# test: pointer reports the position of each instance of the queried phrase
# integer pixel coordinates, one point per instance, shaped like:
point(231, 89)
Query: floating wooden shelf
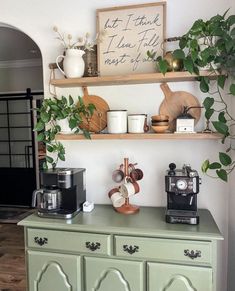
point(129, 79)
point(136, 136)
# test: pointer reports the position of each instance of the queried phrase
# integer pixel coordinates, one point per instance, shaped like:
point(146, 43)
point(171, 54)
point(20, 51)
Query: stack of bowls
point(160, 123)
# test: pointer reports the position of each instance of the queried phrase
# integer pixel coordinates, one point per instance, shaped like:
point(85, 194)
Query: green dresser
point(107, 251)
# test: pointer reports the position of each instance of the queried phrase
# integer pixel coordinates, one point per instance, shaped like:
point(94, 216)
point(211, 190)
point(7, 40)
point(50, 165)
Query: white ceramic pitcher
point(73, 63)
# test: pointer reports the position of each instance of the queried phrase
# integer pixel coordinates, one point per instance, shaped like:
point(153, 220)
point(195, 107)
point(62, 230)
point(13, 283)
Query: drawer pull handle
point(92, 246)
point(192, 254)
point(41, 241)
point(130, 249)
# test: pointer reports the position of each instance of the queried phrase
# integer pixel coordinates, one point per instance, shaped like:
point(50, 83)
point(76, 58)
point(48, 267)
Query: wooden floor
point(12, 260)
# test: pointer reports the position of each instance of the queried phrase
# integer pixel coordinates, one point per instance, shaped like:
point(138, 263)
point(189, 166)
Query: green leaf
point(204, 85)
point(61, 156)
point(196, 70)
point(49, 159)
point(197, 27)
point(86, 134)
point(51, 135)
point(55, 107)
point(151, 55)
point(225, 159)
point(221, 117)
point(80, 101)
point(63, 100)
point(50, 148)
point(182, 42)
point(225, 13)
point(45, 117)
point(232, 89)
point(221, 81)
point(232, 33)
point(39, 126)
point(208, 102)
point(40, 136)
point(231, 20)
point(220, 127)
point(205, 166)
point(70, 100)
point(72, 123)
point(179, 54)
point(194, 44)
point(209, 112)
point(214, 166)
point(188, 64)
point(44, 166)
point(91, 108)
point(194, 55)
point(222, 174)
point(229, 45)
point(163, 66)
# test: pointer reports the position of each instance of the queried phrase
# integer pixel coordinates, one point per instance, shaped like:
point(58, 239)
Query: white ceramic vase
point(73, 63)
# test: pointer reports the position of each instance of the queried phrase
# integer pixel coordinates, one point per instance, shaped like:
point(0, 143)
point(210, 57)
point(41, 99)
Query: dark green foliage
point(211, 44)
point(54, 109)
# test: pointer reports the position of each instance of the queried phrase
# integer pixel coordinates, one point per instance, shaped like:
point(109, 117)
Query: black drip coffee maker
point(182, 187)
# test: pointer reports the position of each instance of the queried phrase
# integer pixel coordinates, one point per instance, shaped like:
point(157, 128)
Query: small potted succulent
point(50, 113)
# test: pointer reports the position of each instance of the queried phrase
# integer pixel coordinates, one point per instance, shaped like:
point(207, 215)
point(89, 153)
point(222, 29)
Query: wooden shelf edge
point(129, 79)
point(142, 136)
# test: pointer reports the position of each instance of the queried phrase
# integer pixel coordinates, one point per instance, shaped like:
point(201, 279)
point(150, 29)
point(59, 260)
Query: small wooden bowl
point(160, 117)
point(160, 123)
point(160, 128)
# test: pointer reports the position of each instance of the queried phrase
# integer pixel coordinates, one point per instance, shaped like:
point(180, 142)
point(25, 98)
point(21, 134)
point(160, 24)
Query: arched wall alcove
point(21, 89)
point(20, 61)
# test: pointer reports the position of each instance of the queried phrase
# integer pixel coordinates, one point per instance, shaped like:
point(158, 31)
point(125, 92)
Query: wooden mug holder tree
point(127, 208)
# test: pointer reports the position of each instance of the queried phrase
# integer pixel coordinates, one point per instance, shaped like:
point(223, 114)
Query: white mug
point(136, 123)
point(117, 199)
point(128, 189)
point(117, 121)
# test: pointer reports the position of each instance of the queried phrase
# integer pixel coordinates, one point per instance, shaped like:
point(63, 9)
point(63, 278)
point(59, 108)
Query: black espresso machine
point(62, 193)
point(182, 187)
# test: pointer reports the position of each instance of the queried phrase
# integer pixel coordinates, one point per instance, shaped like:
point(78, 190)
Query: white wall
point(100, 158)
point(19, 79)
point(231, 224)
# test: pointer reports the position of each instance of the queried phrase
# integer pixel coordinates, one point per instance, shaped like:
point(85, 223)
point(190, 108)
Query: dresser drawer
point(164, 249)
point(69, 241)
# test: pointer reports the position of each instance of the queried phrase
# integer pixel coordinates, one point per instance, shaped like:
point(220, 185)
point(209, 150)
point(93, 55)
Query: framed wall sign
point(128, 33)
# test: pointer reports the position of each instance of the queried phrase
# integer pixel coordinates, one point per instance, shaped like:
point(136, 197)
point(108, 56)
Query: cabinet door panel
point(47, 272)
point(116, 275)
point(166, 277)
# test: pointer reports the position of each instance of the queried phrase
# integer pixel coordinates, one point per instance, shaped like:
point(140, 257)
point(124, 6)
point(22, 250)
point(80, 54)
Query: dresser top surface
point(149, 221)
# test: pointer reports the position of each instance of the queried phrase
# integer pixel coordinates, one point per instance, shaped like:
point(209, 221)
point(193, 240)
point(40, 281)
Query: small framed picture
point(128, 32)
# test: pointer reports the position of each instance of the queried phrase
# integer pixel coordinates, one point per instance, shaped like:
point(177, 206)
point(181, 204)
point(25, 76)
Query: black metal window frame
point(29, 149)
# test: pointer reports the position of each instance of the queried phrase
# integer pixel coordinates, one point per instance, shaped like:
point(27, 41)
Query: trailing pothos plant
point(211, 44)
point(52, 110)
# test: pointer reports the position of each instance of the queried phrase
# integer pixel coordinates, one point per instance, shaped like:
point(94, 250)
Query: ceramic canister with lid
point(136, 123)
point(117, 121)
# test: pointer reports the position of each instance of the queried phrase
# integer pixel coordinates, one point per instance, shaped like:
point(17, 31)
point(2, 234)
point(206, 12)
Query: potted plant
point(211, 44)
point(56, 109)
